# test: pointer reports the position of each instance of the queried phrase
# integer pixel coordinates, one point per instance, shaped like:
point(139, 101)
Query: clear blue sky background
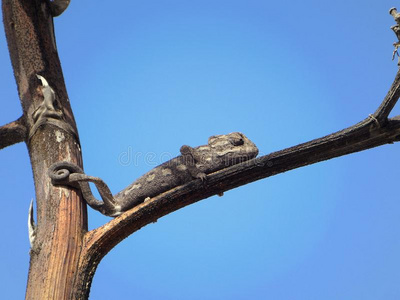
point(145, 77)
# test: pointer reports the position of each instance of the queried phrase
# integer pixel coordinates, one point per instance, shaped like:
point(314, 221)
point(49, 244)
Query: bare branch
point(389, 102)
point(373, 131)
point(12, 133)
point(364, 135)
point(361, 136)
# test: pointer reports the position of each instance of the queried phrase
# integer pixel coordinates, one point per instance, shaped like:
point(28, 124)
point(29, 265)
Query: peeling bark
point(61, 214)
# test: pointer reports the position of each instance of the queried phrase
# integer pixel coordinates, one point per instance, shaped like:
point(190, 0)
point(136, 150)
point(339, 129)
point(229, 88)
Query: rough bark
point(61, 216)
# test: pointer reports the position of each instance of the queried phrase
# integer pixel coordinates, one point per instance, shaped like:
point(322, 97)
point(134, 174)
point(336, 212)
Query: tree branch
point(359, 137)
point(374, 131)
point(389, 102)
point(12, 133)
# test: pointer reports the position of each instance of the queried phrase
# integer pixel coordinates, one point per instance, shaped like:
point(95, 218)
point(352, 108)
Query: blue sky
point(145, 77)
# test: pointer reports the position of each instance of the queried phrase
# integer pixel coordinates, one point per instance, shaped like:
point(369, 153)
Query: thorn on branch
point(31, 225)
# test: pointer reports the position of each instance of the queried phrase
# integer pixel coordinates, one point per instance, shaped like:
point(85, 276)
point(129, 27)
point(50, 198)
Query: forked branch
point(383, 111)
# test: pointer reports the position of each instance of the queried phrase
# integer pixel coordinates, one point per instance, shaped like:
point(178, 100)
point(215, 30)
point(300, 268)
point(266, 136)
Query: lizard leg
point(189, 159)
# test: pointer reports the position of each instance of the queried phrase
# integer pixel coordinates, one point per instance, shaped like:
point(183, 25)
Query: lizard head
point(232, 148)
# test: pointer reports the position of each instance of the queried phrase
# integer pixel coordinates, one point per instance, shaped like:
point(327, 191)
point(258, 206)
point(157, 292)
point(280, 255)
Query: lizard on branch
point(221, 151)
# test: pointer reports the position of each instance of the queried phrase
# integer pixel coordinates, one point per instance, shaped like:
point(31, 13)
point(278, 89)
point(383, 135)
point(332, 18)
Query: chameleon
point(47, 108)
point(194, 163)
point(48, 111)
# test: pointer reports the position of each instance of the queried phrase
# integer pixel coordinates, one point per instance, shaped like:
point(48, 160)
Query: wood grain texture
point(61, 214)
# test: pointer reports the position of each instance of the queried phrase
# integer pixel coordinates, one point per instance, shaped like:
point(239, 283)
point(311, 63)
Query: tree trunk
point(61, 213)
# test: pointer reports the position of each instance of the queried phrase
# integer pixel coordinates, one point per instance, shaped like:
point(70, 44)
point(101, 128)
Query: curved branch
point(389, 102)
point(374, 131)
point(359, 137)
point(366, 134)
point(362, 136)
point(12, 133)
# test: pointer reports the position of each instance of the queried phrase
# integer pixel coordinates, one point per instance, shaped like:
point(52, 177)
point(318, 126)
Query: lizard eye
point(237, 142)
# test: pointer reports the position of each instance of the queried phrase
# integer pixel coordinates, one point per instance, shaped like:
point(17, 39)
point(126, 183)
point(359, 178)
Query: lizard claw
point(202, 176)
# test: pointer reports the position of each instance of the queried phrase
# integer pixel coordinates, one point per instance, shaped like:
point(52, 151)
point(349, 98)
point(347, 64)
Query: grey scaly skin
point(48, 112)
point(221, 151)
point(46, 109)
